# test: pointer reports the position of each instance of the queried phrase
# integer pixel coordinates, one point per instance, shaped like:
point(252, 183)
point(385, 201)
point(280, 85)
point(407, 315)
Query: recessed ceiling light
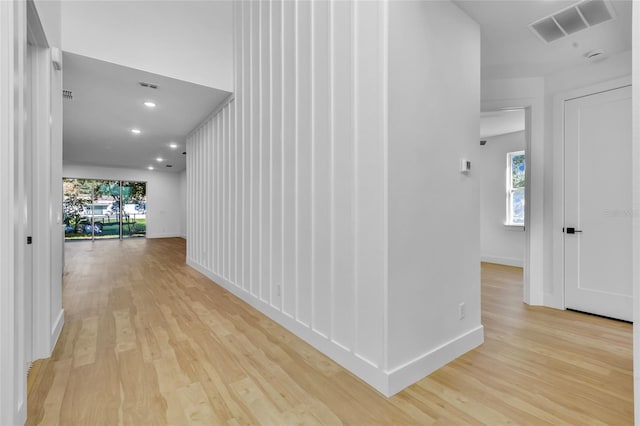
point(135, 131)
point(150, 104)
point(150, 167)
point(159, 159)
point(173, 145)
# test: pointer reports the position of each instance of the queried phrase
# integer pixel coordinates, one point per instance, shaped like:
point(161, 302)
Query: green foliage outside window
point(517, 171)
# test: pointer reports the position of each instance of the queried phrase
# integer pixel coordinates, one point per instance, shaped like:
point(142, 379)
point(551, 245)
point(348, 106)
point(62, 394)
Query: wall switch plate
point(465, 165)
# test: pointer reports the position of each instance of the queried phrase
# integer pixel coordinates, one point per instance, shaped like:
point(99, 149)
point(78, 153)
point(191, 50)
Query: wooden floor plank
point(154, 342)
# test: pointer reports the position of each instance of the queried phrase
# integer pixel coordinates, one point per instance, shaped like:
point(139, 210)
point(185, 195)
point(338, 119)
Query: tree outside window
point(516, 168)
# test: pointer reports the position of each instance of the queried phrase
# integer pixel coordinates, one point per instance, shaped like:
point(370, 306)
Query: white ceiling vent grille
point(578, 17)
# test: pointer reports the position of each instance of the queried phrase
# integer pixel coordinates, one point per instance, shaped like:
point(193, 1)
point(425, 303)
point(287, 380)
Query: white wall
point(618, 65)
point(498, 243)
point(186, 40)
point(434, 239)
point(287, 184)
point(163, 194)
point(50, 13)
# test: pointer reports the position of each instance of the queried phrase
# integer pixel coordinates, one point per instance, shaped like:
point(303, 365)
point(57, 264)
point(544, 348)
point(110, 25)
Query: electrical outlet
point(462, 311)
point(278, 290)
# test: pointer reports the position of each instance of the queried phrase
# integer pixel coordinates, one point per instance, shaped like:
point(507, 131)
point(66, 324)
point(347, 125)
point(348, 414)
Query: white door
point(597, 204)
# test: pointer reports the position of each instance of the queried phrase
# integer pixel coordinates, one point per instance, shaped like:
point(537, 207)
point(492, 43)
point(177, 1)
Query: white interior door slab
point(597, 204)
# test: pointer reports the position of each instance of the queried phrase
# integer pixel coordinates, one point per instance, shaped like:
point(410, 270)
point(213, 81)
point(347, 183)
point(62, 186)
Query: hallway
point(148, 340)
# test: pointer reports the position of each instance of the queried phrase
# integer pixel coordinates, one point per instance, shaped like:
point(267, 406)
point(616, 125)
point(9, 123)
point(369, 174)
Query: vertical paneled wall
point(286, 183)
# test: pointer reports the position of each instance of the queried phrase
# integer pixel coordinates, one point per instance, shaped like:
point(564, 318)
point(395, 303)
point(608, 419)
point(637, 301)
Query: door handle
point(571, 230)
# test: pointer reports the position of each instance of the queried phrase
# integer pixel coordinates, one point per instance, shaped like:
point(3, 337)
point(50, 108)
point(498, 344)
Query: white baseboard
point(164, 236)
point(555, 301)
point(426, 364)
point(509, 261)
point(387, 383)
point(22, 413)
point(56, 330)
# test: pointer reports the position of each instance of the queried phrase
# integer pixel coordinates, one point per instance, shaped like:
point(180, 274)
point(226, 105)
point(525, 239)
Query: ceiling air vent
point(67, 94)
point(149, 85)
point(578, 17)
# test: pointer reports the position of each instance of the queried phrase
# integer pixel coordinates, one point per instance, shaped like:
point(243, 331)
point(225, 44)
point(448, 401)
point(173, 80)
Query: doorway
point(97, 209)
point(502, 181)
point(597, 205)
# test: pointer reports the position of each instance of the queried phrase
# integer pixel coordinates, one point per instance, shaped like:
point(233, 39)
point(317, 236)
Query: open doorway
point(503, 187)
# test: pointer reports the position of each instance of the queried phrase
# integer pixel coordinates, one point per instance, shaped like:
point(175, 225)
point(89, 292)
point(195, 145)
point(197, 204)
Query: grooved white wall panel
point(287, 201)
point(284, 190)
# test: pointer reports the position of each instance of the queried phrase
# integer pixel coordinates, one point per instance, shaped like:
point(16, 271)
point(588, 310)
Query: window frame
point(510, 191)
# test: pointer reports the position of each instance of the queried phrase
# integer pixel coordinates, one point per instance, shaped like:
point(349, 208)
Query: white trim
point(508, 261)
point(555, 298)
point(56, 330)
point(169, 235)
point(42, 201)
point(384, 65)
point(409, 373)
point(356, 147)
point(635, 229)
point(332, 170)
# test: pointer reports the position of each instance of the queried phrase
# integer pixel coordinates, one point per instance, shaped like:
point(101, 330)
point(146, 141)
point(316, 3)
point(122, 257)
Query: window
point(103, 209)
point(516, 167)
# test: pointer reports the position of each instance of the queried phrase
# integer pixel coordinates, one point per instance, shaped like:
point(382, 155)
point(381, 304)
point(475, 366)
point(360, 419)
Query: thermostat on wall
point(465, 165)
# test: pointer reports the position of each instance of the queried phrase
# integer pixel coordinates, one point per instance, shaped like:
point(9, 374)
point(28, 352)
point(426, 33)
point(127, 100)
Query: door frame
point(533, 283)
point(40, 131)
point(558, 300)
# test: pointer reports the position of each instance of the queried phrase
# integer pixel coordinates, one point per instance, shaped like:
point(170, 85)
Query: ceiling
point(510, 49)
point(496, 123)
point(108, 102)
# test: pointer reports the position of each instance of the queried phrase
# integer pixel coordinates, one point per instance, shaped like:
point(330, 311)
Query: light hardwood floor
point(148, 340)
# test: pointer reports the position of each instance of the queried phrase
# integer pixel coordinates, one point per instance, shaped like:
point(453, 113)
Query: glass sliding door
point(104, 209)
point(134, 209)
point(106, 220)
point(78, 196)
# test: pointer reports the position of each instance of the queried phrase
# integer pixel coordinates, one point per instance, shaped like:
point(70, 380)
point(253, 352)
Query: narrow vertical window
point(516, 167)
